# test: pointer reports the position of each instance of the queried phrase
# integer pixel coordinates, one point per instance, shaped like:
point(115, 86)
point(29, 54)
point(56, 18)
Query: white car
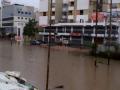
point(13, 81)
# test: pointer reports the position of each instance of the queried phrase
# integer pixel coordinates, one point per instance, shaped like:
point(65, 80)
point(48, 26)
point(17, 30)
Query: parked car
point(42, 42)
point(35, 42)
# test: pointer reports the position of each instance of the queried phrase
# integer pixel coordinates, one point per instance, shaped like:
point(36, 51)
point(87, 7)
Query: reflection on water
point(71, 69)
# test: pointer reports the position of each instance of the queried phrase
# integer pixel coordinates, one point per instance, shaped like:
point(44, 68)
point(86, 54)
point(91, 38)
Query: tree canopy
point(29, 29)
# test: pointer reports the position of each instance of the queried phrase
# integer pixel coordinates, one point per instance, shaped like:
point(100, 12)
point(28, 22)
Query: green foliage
point(29, 29)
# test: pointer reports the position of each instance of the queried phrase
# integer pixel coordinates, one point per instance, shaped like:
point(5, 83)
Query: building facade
point(81, 33)
point(78, 21)
point(45, 12)
point(14, 18)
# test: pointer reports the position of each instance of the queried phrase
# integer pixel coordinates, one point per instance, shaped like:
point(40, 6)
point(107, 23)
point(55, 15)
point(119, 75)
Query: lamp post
point(49, 47)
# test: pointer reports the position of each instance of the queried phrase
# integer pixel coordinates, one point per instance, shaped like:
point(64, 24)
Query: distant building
point(78, 34)
point(14, 18)
point(75, 20)
point(75, 11)
point(56, 13)
point(68, 11)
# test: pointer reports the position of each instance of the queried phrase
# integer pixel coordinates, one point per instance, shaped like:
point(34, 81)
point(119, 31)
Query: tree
point(30, 30)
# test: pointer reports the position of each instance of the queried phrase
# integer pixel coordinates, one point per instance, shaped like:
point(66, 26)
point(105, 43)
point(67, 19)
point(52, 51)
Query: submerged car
point(13, 81)
point(35, 42)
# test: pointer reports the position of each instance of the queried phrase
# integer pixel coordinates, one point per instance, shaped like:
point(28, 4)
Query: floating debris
point(13, 81)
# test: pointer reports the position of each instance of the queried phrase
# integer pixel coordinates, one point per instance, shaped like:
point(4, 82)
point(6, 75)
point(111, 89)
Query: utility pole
point(1, 16)
point(49, 47)
point(96, 24)
point(1, 11)
point(110, 29)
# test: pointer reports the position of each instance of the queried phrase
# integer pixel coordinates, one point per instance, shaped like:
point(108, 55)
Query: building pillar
point(56, 33)
point(82, 36)
point(94, 35)
point(43, 35)
point(65, 29)
point(119, 35)
point(105, 35)
point(93, 40)
point(71, 32)
point(72, 29)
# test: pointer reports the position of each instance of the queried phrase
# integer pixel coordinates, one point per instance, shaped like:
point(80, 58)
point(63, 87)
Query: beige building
point(73, 11)
point(45, 11)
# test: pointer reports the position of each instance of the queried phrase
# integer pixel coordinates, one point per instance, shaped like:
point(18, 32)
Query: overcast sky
point(34, 3)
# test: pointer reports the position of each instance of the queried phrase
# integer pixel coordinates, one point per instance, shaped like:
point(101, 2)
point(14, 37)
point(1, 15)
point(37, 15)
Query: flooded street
point(71, 69)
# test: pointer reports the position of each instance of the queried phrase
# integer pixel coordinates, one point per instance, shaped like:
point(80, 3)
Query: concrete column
point(93, 41)
point(65, 29)
point(94, 35)
point(105, 35)
point(71, 32)
point(43, 35)
point(82, 36)
point(56, 31)
point(71, 29)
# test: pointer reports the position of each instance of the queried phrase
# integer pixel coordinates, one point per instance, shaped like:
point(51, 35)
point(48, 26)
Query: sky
point(34, 3)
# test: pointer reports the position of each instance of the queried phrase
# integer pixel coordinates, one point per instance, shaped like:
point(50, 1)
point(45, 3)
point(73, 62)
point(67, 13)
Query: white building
point(14, 18)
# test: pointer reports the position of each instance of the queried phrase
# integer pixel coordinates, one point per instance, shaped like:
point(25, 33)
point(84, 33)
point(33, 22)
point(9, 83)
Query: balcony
point(52, 17)
point(71, 8)
point(70, 16)
point(53, 1)
point(71, 0)
point(65, 9)
point(53, 9)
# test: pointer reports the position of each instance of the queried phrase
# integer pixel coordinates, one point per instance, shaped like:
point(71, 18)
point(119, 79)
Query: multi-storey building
point(78, 23)
point(14, 18)
point(45, 11)
point(72, 11)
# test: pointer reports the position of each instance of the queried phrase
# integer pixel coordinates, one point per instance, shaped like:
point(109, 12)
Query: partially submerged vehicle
point(13, 81)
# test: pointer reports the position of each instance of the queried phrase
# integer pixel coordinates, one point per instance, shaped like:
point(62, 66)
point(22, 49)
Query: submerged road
point(71, 69)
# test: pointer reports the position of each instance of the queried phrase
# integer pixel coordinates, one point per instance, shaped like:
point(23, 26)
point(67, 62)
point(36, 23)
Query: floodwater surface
point(70, 69)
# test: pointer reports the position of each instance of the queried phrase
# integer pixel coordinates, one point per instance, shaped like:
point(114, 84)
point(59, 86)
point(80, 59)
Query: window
point(44, 13)
point(18, 11)
point(25, 18)
point(53, 13)
point(65, 5)
point(26, 12)
point(18, 17)
point(72, 3)
point(71, 20)
point(52, 21)
point(7, 19)
point(29, 13)
point(21, 17)
point(114, 5)
point(70, 12)
point(81, 12)
point(81, 20)
point(53, 5)
point(64, 13)
point(22, 12)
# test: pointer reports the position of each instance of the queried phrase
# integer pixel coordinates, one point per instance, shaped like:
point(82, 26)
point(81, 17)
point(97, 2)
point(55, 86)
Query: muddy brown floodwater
point(71, 69)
